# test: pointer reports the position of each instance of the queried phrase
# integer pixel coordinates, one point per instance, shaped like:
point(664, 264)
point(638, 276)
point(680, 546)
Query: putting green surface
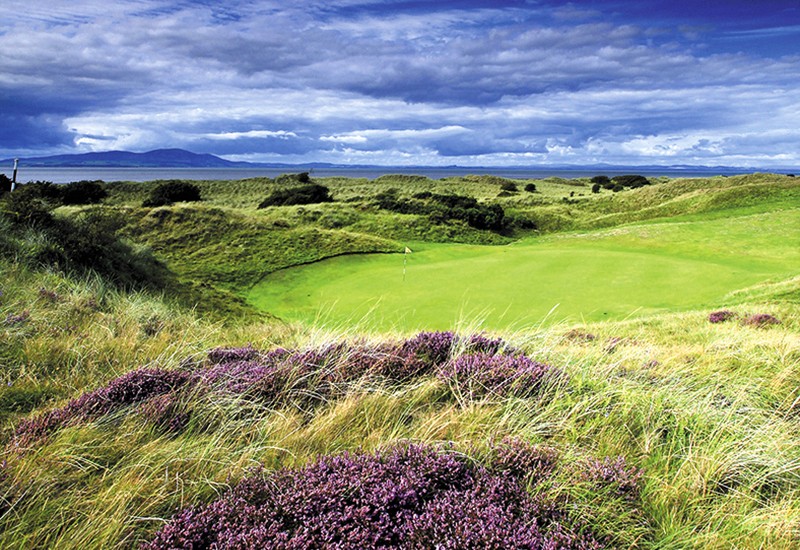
point(612, 274)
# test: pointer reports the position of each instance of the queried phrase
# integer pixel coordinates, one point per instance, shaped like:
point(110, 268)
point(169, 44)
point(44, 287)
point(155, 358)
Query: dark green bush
point(90, 242)
point(171, 192)
point(633, 181)
point(530, 188)
point(304, 194)
point(509, 186)
point(601, 180)
point(596, 188)
point(31, 204)
point(5, 184)
point(441, 208)
point(83, 192)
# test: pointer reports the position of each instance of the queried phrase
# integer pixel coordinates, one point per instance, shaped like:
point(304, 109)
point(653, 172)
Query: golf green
point(611, 274)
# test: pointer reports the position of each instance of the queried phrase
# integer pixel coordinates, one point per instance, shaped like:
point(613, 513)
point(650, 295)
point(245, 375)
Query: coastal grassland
point(231, 246)
point(707, 411)
point(97, 454)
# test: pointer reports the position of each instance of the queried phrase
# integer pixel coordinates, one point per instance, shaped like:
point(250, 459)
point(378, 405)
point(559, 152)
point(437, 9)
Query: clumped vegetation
point(87, 242)
point(83, 192)
point(632, 181)
point(441, 208)
point(5, 184)
point(721, 316)
point(408, 496)
point(761, 320)
point(311, 193)
point(170, 192)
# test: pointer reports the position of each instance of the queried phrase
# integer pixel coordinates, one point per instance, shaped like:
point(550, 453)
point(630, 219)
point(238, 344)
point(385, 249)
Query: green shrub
point(632, 181)
point(90, 242)
point(31, 204)
point(509, 186)
point(601, 180)
point(83, 192)
point(304, 194)
point(441, 208)
point(171, 192)
point(5, 184)
point(530, 188)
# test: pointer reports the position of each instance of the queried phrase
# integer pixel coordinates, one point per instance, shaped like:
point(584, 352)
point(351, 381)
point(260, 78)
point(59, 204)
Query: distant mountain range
point(180, 158)
point(159, 158)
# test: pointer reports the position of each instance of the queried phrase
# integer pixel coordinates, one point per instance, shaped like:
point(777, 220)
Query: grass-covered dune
point(130, 419)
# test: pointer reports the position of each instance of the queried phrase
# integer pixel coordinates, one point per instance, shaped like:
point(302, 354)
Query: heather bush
point(303, 378)
point(49, 295)
point(409, 496)
point(13, 319)
point(721, 316)
point(480, 375)
point(166, 412)
point(219, 356)
point(520, 459)
point(614, 473)
point(760, 320)
point(578, 335)
point(131, 388)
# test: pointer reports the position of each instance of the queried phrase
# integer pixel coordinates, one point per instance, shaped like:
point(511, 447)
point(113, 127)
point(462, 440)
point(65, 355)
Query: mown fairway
point(611, 274)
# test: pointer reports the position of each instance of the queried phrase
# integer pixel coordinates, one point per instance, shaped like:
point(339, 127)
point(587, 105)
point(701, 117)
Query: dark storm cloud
point(422, 82)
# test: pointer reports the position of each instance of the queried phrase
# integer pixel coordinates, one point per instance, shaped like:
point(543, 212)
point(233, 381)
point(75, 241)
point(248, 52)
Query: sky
point(448, 82)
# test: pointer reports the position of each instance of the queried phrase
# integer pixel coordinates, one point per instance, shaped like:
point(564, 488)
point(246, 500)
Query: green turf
point(612, 274)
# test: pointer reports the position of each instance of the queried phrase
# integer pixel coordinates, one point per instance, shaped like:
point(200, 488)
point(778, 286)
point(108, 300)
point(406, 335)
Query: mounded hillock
point(235, 250)
point(753, 193)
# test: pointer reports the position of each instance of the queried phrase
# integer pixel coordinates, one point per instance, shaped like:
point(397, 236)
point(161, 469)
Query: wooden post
point(14, 175)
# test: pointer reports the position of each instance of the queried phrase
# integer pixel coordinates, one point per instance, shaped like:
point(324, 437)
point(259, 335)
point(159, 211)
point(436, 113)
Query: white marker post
point(14, 175)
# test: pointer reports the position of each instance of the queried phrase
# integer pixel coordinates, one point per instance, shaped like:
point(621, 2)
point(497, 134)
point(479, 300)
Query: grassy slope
point(709, 411)
point(234, 250)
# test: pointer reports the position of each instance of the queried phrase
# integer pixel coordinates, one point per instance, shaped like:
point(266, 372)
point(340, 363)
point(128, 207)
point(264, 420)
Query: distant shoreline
point(108, 174)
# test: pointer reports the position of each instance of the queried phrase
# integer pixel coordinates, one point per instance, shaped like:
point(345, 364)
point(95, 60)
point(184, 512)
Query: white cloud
point(307, 81)
point(249, 134)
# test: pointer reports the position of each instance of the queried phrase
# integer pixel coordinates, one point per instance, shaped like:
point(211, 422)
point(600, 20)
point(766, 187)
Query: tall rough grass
point(708, 412)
